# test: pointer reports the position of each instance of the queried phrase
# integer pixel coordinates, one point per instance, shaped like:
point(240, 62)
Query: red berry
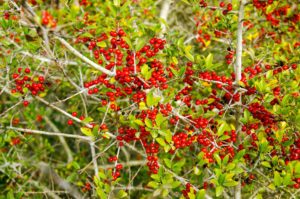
point(15, 141)
point(25, 103)
point(119, 166)
point(70, 122)
point(27, 70)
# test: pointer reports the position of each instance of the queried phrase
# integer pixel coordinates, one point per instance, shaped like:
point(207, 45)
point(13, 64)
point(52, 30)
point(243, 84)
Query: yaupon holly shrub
point(149, 99)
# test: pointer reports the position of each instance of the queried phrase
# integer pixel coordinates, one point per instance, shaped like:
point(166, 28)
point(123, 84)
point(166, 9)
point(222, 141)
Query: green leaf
point(142, 106)
point(175, 72)
point(197, 171)
point(165, 192)
point(10, 195)
point(266, 164)
point(148, 123)
point(186, 1)
point(222, 128)
point(139, 122)
point(153, 184)
point(101, 44)
point(218, 159)
point(200, 194)
point(247, 115)
point(188, 54)
point(128, 41)
point(269, 74)
point(219, 191)
point(191, 195)
point(101, 193)
point(168, 135)
point(224, 137)
point(117, 3)
point(159, 119)
point(76, 165)
point(175, 60)
point(155, 177)
point(87, 120)
point(181, 71)
point(146, 73)
point(102, 175)
point(230, 166)
point(240, 154)
point(230, 183)
point(87, 34)
point(86, 131)
point(168, 163)
point(161, 141)
point(122, 194)
point(279, 135)
point(225, 159)
point(287, 180)
point(209, 60)
point(277, 179)
point(140, 44)
point(175, 184)
point(151, 100)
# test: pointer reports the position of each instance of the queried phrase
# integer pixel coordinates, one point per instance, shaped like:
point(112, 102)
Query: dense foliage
point(149, 99)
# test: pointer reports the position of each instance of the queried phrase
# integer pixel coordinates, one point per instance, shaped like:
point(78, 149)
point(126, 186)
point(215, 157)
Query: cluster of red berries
point(87, 187)
point(295, 151)
point(202, 38)
point(200, 122)
point(277, 15)
point(213, 76)
point(117, 173)
point(202, 3)
point(208, 155)
point(187, 190)
point(261, 4)
point(6, 15)
point(284, 68)
point(112, 158)
point(182, 140)
point(15, 141)
point(48, 20)
point(153, 164)
point(201, 102)
point(228, 7)
point(205, 138)
point(229, 56)
point(232, 135)
point(84, 2)
point(259, 112)
point(165, 109)
point(186, 95)
point(151, 114)
point(126, 66)
point(276, 91)
point(227, 150)
point(297, 183)
point(74, 114)
point(33, 84)
point(151, 150)
point(127, 134)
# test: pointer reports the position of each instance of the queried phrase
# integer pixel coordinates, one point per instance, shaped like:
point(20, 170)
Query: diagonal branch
point(83, 58)
point(85, 138)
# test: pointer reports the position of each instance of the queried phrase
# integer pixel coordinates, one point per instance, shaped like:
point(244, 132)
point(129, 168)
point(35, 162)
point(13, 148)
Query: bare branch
point(83, 58)
point(47, 133)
